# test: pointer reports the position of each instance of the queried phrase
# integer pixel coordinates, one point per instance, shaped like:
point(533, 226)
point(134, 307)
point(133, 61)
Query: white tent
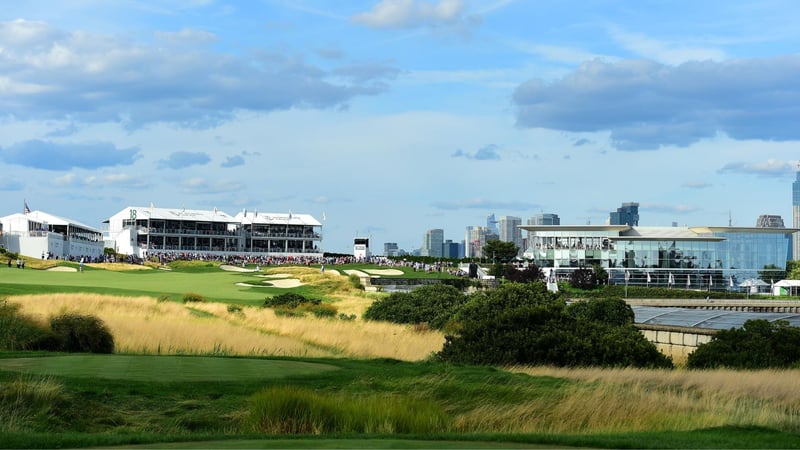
point(754, 285)
point(786, 287)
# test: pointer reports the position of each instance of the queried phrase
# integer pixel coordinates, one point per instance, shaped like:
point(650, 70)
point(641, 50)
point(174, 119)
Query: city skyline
point(387, 118)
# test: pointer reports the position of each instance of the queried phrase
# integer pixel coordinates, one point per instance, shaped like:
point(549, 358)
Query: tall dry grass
point(144, 325)
point(624, 400)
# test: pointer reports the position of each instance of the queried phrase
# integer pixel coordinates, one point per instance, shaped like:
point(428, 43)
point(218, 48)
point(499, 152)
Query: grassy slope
point(162, 406)
point(165, 407)
point(211, 282)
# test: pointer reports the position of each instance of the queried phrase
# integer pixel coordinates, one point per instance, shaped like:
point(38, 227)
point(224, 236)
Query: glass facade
point(705, 258)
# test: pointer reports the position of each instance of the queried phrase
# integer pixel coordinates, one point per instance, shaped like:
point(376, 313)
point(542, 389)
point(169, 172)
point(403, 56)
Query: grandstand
point(144, 231)
point(38, 234)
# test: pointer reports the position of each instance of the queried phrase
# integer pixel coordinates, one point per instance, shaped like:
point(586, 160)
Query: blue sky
point(394, 117)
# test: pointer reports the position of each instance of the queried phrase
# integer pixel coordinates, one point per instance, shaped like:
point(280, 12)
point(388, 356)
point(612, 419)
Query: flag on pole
point(25, 208)
point(323, 216)
point(730, 281)
point(627, 276)
point(671, 280)
point(710, 281)
point(688, 280)
point(648, 278)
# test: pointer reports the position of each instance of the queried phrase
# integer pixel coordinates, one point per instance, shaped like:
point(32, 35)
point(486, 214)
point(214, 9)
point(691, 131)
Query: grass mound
point(294, 410)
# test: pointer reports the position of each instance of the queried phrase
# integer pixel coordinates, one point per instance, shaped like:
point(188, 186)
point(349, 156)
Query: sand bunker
point(275, 275)
point(283, 284)
point(385, 272)
point(231, 268)
point(356, 272)
point(62, 269)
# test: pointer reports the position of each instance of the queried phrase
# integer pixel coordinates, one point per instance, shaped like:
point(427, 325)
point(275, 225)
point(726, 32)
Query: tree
point(600, 274)
point(583, 279)
point(526, 324)
point(771, 272)
point(528, 274)
point(433, 304)
point(759, 344)
point(500, 251)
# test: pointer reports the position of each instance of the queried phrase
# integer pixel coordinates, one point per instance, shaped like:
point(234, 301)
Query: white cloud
point(667, 53)
point(647, 105)
point(768, 168)
point(414, 14)
point(48, 73)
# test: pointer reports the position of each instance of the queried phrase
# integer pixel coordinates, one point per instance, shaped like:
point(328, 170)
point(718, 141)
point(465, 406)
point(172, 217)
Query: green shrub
point(79, 333)
point(348, 317)
point(234, 309)
point(759, 344)
point(323, 310)
point(432, 304)
point(583, 279)
point(525, 324)
point(289, 312)
point(355, 281)
point(288, 300)
point(20, 332)
point(294, 410)
point(191, 297)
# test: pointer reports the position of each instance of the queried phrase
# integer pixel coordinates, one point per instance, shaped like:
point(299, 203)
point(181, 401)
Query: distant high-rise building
point(491, 223)
point(510, 231)
point(795, 253)
point(545, 219)
point(476, 238)
point(432, 243)
point(627, 214)
point(391, 249)
point(769, 221)
point(451, 250)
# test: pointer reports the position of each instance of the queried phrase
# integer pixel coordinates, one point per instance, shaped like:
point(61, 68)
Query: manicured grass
point(214, 284)
point(160, 368)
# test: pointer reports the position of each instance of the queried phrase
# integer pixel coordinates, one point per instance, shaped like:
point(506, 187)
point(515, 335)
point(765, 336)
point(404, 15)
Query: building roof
point(198, 215)
point(289, 218)
point(627, 232)
point(705, 318)
point(51, 219)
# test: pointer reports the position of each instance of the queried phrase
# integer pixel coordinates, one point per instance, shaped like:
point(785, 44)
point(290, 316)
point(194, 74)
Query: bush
point(191, 297)
point(432, 304)
point(355, 281)
point(323, 310)
point(605, 310)
point(759, 344)
point(289, 300)
point(20, 332)
point(84, 334)
point(529, 274)
point(234, 309)
point(526, 324)
point(291, 304)
point(583, 279)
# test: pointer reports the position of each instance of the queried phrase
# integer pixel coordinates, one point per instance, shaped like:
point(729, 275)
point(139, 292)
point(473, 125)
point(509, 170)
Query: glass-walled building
point(694, 257)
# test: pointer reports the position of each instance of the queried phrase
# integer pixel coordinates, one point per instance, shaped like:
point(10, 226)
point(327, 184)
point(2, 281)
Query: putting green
point(161, 368)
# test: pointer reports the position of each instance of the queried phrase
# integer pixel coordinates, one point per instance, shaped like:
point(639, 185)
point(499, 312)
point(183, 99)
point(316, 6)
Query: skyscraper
point(627, 214)
point(795, 253)
point(545, 219)
point(432, 243)
point(510, 231)
point(491, 223)
point(769, 221)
